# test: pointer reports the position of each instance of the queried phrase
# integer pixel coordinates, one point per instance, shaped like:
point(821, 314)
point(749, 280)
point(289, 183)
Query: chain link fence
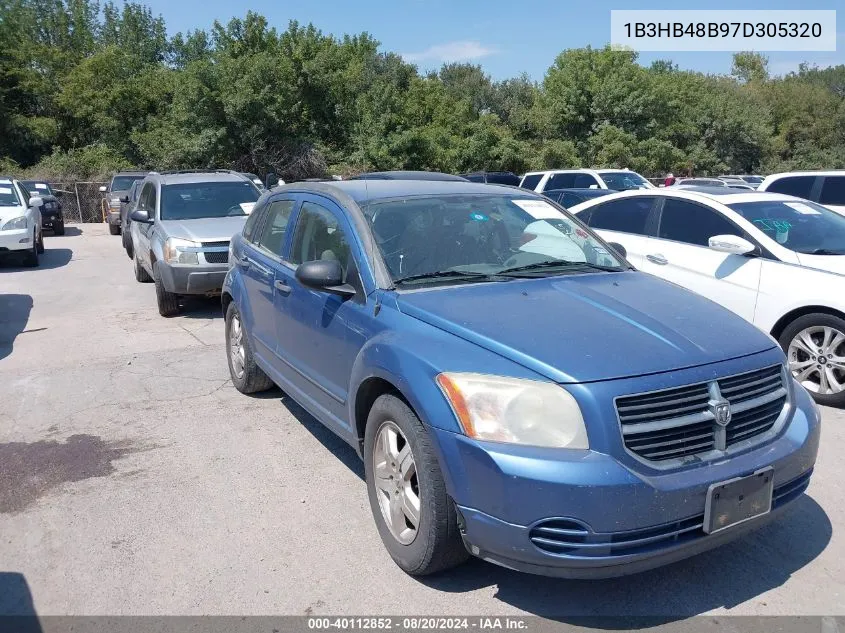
point(81, 201)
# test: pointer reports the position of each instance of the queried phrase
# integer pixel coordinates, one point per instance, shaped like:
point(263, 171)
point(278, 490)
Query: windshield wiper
point(559, 263)
point(823, 251)
point(449, 274)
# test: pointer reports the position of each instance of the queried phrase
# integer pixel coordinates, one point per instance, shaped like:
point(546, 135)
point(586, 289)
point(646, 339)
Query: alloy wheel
point(816, 357)
point(395, 478)
point(236, 346)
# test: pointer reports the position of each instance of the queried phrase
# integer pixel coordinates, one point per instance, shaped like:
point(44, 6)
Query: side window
point(570, 200)
point(691, 223)
point(800, 186)
point(561, 181)
point(273, 230)
point(253, 221)
point(318, 235)
point(531, 181)
point(151, 200)
point(144, 202)
point(585, 181)
point(629, 215)
point(833, 190)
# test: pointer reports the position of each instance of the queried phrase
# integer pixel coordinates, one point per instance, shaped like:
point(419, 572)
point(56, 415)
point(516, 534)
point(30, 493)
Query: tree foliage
point(85, 86)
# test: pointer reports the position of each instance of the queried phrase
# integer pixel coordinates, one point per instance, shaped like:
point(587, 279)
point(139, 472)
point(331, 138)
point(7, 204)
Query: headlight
point(15, 223)
point(514, 410)
point(178, 251)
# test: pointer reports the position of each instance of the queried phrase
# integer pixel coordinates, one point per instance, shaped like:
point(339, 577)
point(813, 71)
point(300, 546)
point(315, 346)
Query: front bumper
point(602, 518)
point(51, 218)
point(16, 240)
point(204, 279)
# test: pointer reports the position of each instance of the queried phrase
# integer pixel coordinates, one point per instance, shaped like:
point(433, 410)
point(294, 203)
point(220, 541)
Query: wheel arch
point(370, 390)
point(790, 316)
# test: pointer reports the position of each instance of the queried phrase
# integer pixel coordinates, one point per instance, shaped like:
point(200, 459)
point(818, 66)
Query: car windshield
point(799, 225)
point(753, 179)
point(455, 238)
point(8, 195)
point(190, 201)
point(36, 188)
point(624, 180)
point(123, 183)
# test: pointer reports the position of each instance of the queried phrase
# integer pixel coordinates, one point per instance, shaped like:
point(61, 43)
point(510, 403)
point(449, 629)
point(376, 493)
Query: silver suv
point(181, 228)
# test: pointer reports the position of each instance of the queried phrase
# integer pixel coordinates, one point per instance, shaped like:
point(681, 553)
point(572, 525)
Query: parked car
point(775, 260)
point(127, 204)
point(511, 402)
point(21, 232)
point(750, 179)
point(181, 229)
point(824, 187)
point(616, 179)
point(407, 175)
point(570, 197)
point(699, 182)
point(52, 217)
point(118, 188)
point(493, 177)
point(255, 179)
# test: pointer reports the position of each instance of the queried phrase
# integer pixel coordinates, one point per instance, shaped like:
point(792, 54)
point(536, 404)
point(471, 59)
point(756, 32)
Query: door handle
point(244, 262)
point(281, 286)
point(657, 259)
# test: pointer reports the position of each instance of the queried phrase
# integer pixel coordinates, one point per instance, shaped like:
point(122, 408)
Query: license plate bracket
point(738, 500)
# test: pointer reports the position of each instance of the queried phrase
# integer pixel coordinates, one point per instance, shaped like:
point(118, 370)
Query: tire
point(127, 243)
point(31, 257)
point(168, 303)
point(114, 229)
point(821, 374)
point(40, 242)
point(141, 274)
point(436, 544)
point(250, 379)
point(59, 228)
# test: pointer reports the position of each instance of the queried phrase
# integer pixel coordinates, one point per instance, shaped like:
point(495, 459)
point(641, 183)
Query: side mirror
point(140, 216)
point(102, 189)
point(125, 199)
point(325, 276)
point(271, 180)
point(731, 244)
point(618, 248)
point(36, 201)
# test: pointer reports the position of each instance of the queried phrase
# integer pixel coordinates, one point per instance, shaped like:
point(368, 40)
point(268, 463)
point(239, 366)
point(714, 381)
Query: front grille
point(566, 537)
point(215, 244)
point(217, 257)
point(681, 422)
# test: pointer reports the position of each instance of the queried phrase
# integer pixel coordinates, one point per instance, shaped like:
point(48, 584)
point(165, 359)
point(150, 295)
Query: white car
point(20, 222)
point(616, 179)
point(824, 187)
point(776, 260)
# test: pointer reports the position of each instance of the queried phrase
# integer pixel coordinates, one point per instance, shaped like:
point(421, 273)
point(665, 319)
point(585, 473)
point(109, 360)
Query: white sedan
point(776, 260)
point(20, 222)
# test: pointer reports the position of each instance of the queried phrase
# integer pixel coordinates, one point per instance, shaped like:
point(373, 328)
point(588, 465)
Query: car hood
point(589, 327)
point(205, 229)
point(9, 213)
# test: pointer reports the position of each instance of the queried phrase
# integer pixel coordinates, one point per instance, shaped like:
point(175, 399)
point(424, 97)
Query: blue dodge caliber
point(516, 389)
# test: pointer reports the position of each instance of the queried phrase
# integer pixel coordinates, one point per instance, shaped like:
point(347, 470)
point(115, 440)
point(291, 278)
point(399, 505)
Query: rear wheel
point(141, 274)
point(246, 375)
point(815, 351)
point(114, 229)
point(168, 302)
point(415, 517)
point(127, 242)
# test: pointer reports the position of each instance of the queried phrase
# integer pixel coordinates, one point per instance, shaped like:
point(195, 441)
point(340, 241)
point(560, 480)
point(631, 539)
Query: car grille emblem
point(722, 412)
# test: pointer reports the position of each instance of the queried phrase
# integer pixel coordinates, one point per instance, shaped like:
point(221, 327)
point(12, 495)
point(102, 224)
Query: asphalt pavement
point(134, 479)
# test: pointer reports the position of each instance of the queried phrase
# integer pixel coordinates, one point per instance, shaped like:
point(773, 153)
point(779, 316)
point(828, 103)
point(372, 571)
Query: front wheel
point(114, 229)
point(246, 375)
point(815, 351)
point(168, 302)
point(141, 274)
point(415, 517)
point(59, 227)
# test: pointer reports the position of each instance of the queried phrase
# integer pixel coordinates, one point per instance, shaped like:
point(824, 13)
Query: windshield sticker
point(780, 226)
point(803, 208)
point(478, 217)
point(539, 209)
point(5, 189)
point(40, 186)
point(247, 207)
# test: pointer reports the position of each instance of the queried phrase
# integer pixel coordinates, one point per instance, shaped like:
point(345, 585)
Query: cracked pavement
point(134, 479)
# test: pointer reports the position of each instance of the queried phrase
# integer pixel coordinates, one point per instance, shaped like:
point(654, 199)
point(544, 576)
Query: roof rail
point(199, 171)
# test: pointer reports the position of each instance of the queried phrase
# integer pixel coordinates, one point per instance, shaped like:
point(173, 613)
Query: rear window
point(124, 183)
point(799, 186)
point(624, 180)
point(833, 190)
point(531, 181)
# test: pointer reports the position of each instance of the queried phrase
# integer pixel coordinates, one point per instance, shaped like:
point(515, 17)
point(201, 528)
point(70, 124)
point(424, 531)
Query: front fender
point(233, 284)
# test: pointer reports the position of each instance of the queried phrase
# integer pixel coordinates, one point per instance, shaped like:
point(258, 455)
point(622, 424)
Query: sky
point(506, 38)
